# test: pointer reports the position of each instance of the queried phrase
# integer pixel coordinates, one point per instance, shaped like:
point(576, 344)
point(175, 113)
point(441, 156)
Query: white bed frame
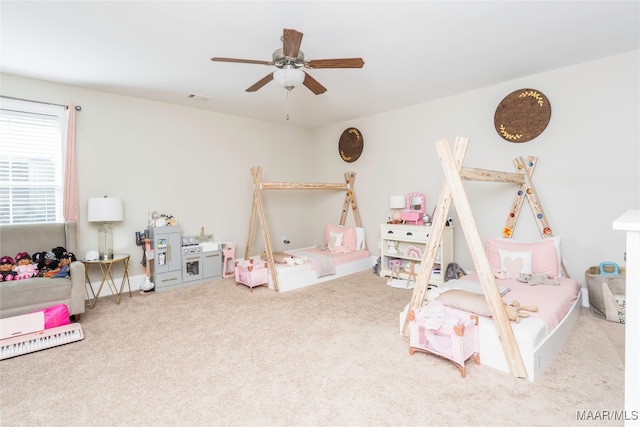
point(536, 357)
point(300, 276)
point(536, 347)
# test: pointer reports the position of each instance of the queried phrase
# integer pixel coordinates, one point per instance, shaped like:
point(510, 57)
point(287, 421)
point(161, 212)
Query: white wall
point(196, 164)
point(186, 162)
point(586, 175)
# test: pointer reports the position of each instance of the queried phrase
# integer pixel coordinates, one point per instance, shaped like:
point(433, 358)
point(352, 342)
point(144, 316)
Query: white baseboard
point(585, 297)
point(138, 280)
point(135, 281)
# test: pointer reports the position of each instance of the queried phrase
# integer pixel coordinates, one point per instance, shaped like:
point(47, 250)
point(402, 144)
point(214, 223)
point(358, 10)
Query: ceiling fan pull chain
point(288, 92)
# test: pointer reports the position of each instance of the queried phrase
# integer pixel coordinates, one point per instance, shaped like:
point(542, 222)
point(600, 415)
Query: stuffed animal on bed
point(515, 311)
point(283, 258)
point(454, 271)
point(433, 292)
point(536, 279)
point(499, 274)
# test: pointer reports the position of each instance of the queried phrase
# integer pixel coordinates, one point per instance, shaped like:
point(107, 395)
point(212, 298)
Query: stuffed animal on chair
point(63, 267)
point(25, 268)
point(7, 272)
point(536, 279)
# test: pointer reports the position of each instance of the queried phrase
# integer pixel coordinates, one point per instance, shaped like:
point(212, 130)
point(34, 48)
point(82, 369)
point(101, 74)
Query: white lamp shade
point(105, 209)
point(396, 202)
point(288, 77)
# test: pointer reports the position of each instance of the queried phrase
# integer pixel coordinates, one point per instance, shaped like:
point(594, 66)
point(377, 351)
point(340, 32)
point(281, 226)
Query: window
point(32, 138)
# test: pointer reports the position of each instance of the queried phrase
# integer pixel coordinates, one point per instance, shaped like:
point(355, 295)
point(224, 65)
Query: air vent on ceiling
point(199, 97)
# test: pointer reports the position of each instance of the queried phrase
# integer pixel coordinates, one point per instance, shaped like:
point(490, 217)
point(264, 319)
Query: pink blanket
point(553, 301)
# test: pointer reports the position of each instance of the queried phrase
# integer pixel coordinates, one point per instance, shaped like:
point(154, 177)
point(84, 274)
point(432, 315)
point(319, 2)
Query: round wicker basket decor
point(350, 145)
point(522, 115)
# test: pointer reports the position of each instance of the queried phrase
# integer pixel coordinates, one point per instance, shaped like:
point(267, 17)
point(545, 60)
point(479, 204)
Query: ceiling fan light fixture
point(288, 78)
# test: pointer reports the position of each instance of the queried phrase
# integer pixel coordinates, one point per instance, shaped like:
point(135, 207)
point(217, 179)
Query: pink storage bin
point(455, 343)
point(56, 315)
point(252, 274)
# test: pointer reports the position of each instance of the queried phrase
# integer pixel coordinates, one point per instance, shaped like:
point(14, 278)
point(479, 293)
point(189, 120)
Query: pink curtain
point(71, 198)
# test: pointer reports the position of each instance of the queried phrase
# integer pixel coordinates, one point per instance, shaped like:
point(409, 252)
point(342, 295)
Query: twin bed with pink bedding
point(319, 266)
point(344, 251)
point(542, 335)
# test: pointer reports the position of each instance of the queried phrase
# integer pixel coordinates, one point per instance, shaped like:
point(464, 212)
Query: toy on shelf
point(414, 210)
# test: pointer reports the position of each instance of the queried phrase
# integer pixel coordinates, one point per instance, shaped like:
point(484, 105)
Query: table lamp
point(105, 210)
point(396, 203)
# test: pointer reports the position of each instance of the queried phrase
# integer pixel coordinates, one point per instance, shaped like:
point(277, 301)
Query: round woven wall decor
point(350, 145)
point(522, 115)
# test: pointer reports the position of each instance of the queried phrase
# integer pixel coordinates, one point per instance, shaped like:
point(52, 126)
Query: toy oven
point(191, 260)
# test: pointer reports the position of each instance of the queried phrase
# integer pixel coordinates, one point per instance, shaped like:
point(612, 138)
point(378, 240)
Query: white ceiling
point(413, 51)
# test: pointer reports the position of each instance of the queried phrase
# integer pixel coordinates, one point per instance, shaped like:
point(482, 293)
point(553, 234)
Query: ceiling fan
point(289, 60)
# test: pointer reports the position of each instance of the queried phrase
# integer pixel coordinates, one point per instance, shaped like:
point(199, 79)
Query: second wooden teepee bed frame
point(257, 210)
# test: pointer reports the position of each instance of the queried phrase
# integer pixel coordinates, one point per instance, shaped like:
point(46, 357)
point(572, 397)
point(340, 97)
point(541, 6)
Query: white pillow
point(359, 238)
point(335, 239)
point(556, 242)
point(514, 263)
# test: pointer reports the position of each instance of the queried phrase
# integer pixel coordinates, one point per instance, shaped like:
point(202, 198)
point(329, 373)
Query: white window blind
point(32, 138)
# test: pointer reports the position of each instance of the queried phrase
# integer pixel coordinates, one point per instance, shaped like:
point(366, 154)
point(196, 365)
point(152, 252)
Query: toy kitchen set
point(182, 260)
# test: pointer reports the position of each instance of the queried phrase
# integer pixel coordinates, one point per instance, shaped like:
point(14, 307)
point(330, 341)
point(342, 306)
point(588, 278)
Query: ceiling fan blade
point(337, 63)
point(291, 40)
point(242, 61)
point(263, 81)
point(313, 85)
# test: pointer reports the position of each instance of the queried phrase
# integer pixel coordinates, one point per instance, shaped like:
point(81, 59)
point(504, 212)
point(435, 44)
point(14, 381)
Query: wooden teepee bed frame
point(257, 209)
point(451, 190)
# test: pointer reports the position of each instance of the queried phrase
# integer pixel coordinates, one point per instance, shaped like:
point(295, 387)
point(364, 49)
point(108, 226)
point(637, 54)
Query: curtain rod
point(77, 107)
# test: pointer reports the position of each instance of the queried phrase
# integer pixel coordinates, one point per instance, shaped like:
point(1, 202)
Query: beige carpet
point(331, 354)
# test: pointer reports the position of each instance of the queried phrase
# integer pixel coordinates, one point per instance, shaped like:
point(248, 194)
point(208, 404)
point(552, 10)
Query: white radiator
point(41, 340)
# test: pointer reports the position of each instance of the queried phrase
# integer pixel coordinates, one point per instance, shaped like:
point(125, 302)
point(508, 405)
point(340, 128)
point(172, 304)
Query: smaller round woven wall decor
point(350, 145)
point(522, 115)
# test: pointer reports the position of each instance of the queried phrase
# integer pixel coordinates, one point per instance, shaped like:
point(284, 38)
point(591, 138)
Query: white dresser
point(403, 244)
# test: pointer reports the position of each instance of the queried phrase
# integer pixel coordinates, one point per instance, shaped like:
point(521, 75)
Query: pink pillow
point(348, 235)
point(544, 259)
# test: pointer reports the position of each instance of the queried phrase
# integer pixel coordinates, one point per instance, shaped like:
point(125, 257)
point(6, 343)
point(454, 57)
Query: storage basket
point(606, 284)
